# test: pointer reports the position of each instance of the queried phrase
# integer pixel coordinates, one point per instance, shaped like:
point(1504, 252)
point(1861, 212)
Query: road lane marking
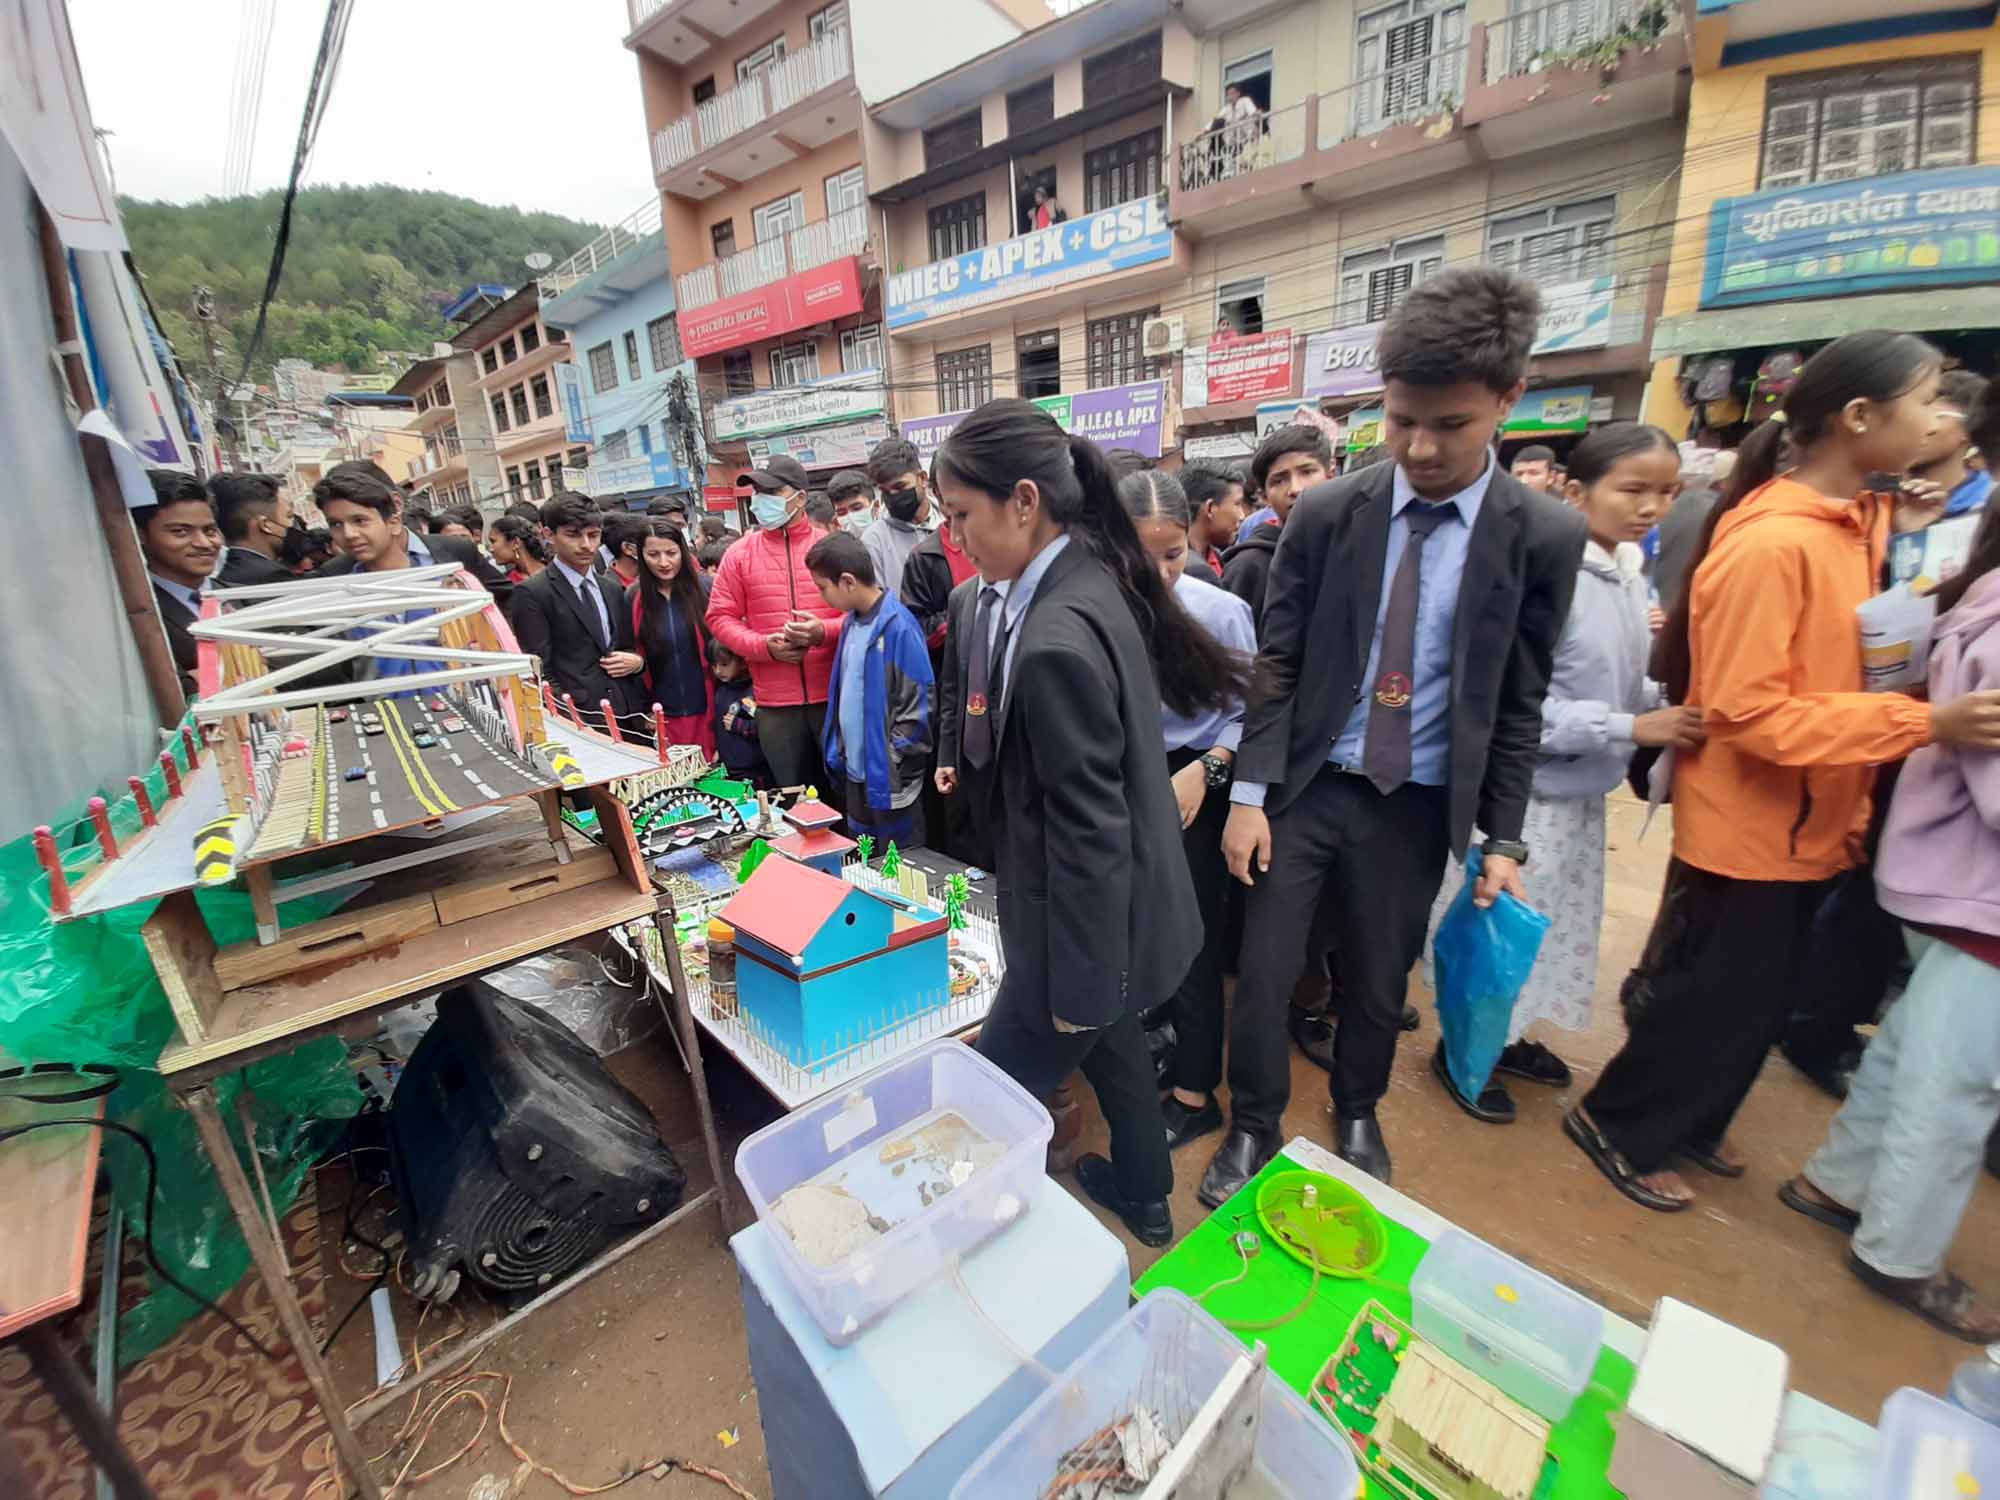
point(410, 776)
point(423, 766)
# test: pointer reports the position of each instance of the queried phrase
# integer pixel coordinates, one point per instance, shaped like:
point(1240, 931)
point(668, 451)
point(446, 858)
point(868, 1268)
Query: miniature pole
point(45, 851)
point(173, 774)
point(660, 731)
point(145, 802)
point(100, 817)
point(569, 702)
point(610, 720)
point(193, 744)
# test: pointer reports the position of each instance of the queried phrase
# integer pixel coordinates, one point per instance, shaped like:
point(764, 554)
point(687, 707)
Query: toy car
point(336, 716)
point(295, 747)
point(453, 724)
point(440, 704)
point(424, 741)
point(354, 773)
point(372, 726)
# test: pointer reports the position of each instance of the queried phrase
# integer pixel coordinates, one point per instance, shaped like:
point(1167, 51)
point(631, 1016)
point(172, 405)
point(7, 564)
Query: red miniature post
point(140, 796)
point(100, 817)
point(193, 743)
point(611, 720)
point(173, 773)
point(45, 851)
point(660, 731)
point(569, 702)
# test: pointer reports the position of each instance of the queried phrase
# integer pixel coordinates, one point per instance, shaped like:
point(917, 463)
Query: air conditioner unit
point(1163, 335)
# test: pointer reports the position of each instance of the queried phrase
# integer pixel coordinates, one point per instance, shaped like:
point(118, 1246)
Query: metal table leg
point(681, 1016)
point(264, 1254)
point(106, 1350)
point(63, 1379)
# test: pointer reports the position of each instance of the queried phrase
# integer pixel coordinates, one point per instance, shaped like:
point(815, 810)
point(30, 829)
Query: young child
point(878, 709)
point(1622, 478)
point(736, 717)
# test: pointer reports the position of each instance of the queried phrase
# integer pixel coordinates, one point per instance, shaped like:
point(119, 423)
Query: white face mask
point(855, 522)
point(770, 511)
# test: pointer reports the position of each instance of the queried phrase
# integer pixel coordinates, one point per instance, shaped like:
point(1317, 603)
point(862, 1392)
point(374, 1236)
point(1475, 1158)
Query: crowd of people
point(1219, 722)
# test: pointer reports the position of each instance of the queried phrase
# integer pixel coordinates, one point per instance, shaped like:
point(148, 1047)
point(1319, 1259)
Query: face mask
point(903, 504)
point(856, 522)
point(770, 511)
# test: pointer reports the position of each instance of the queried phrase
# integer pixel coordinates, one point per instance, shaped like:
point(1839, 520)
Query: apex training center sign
point(1099, 244)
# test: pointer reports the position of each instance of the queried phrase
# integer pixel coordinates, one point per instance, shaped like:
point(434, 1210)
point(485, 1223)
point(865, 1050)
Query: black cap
point(779, 470)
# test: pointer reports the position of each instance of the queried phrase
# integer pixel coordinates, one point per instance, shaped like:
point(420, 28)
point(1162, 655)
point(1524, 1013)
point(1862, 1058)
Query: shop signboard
point(1238, 369)
point(1342, 363)
point(1275, 414)
point(845, 446)
point(1364, 430)
point(1575, 315)
point(724, 500)
point(1227, 446)
point(1116, 416)
point(1099, 244)
point(576, 415)
point(1904, 229)
point(816, 296)
point(838, 398)
point(644, 471)
point(1563, 409)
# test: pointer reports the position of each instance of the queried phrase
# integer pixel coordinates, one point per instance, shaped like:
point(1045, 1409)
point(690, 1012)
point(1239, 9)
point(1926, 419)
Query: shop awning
point(1811, 321)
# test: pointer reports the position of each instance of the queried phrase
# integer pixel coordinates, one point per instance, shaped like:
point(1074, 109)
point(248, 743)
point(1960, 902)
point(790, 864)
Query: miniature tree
point(865, 847)
point(752, 857)
point(955, 891)
point(892, 862)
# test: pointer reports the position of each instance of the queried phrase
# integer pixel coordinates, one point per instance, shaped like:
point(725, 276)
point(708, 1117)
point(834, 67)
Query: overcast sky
point(528, 102)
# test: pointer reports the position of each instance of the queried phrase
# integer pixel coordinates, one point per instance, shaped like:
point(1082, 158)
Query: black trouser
point(1198, 1002)
point(1702, 1008)
point(1114, 1062)
point(790, 737)
point(1375, 863)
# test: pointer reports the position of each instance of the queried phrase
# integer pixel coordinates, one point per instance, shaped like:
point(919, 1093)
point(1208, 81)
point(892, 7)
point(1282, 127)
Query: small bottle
point(722, 966)
point(1976, 1386)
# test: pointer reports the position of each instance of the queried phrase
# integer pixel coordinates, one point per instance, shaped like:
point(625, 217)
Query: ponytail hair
point(1873, 365)
point(1009, 440)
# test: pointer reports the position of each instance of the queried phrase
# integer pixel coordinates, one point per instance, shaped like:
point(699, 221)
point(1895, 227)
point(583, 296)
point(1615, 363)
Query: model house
point(1457, 1434)
point(821, 964)
point(813, 840)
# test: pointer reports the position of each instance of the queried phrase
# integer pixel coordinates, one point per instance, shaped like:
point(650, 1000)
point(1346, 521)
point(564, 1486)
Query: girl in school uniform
point(1075, 645)
point(668, 606)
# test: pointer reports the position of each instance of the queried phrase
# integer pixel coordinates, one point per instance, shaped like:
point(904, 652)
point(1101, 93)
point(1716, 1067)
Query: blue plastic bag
point(1483, 957)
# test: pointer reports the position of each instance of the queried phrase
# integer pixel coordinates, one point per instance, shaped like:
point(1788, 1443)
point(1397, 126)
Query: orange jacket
point(1780, 791)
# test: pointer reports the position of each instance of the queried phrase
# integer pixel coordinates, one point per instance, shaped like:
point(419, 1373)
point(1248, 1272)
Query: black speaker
point(516, 1155)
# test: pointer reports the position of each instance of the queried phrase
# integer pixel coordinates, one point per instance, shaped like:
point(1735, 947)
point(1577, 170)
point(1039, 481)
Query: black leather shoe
point(1358, 1142)
point(1534, 1062)
point(1186, 1123)
point(1495, 1106)
point(1411, 1020)
point(1240, 1157)
point(1150, 1223)
point(1314, 1034)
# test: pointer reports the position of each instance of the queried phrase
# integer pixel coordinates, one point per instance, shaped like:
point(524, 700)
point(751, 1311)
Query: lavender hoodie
point(1940, 859)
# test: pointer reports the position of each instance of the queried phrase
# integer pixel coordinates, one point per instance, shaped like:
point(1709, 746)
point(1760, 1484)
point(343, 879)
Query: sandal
point(1943, 1301)
point(1534, 1062)
point(1612, 1163)
point(1708, 1159)
point(1846, 1220)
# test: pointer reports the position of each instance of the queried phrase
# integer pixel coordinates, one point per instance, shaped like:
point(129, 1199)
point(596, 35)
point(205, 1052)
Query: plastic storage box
point(1536, 1340)
point(1930, 1447)
point(843, 1137)
point(1170, 1355)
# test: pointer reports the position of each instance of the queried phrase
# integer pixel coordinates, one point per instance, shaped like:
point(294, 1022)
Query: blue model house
point(822, 964)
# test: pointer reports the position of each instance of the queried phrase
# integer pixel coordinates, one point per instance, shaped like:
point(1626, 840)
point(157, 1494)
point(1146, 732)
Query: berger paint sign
point(1342, 363)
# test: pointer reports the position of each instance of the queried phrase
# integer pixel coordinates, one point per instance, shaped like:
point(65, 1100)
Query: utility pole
point(226, 414)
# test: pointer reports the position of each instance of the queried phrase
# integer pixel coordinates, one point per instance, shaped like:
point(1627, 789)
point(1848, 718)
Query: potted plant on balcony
point(1639, 32)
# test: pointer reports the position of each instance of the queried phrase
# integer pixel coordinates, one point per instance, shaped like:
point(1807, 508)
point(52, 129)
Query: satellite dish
point(540, 260)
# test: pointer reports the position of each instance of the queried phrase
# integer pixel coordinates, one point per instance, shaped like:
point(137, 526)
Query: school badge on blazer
point(1393, 690)
point(976, 705)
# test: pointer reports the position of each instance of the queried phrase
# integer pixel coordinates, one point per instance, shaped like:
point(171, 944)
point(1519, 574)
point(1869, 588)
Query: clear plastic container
point(1175, 1354)
point(841, 1140)
point(1929, 1448)
point(1532, 1337)
point(1976, 1386)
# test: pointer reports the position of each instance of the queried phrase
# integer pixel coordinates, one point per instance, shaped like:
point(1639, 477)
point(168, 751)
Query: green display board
point(1276, 1283)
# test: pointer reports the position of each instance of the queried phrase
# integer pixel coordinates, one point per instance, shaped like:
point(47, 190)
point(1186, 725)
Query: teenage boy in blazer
point(1405, 705)
point(575, 618)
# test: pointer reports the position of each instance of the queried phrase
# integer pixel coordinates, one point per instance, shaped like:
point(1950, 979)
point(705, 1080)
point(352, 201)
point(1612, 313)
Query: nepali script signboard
point(1906, 229)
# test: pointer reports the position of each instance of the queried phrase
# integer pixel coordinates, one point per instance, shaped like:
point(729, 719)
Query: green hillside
point(367, 269)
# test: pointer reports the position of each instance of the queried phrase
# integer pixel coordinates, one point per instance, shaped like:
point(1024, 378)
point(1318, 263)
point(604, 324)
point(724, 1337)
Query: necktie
point(981, 696)
point(1385, 750)
point(586, 594)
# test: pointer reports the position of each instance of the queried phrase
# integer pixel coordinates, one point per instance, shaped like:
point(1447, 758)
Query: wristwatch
point(1512, 849)
point(1218, 768)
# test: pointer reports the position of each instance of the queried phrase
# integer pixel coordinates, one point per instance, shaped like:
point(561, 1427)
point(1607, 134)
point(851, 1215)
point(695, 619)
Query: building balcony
point(1576, 68)
point(431, 418)
point(774, 116)
point(439, 468)
point(534, 362)
point(539, 433)
point(770, 261)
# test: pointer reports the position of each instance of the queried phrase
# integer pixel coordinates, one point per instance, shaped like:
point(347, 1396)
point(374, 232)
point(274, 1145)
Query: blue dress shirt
point(1228, 621)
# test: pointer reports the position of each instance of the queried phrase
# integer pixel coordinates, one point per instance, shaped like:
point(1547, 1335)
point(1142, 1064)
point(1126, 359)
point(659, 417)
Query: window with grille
point(517, 400)
point(823, 23)
point(508, 352)
point(1112, 349)
point(1240, 304)
point(1031, 107)
point(489, 362)
point(532, 471)
point(603, 369)
point(952, 141)
point(632, 355)
point(769, 221)
point(1121, 171)
point(965, 378)
point(500, 421)
point(440, 394)
point(1372, 282)
point(1549, 246)
point(958, 226)
point(578, 457)
point(1038, 363)
point(845, 190)
point(531, 339)
point(1406, 61)
point(1868, 120)
point(556, 336)
point(614, 447)
point(1124, 69)
point(861, 348)
point(739, 376)
point(513, 480)
point(794, 365)
point(544, 399)
point(664, 339)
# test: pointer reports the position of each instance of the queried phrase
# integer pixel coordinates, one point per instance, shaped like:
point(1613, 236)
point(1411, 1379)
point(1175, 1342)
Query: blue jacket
point(897, 682)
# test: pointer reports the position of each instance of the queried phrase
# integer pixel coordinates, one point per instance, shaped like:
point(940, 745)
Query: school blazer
point(175, 618)
point(953, 671)
point(1097, 912)
point(1319, 622)
point(549, 622)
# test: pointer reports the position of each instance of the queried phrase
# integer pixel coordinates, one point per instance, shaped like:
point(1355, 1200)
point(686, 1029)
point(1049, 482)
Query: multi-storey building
point(1842, 172)
point(516, 357)
point(457, 464)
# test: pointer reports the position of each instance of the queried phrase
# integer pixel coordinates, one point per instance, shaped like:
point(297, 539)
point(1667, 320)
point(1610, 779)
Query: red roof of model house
point(785, 904)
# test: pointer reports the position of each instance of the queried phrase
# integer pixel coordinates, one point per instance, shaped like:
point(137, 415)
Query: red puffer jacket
point(761, 579)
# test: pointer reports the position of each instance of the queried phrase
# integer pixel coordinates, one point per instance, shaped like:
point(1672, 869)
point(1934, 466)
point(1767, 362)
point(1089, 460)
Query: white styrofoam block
point(1712, 1387)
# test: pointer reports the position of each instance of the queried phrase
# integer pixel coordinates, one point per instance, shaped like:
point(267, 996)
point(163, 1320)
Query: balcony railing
point(753, 101)
point(1235, 150)
point(635, 227)
point(1574, 33)
point(1394, 96)
point(804, 74)
point(675, 144)
point(815, 244)
point(731, 114)
point(642, 11)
